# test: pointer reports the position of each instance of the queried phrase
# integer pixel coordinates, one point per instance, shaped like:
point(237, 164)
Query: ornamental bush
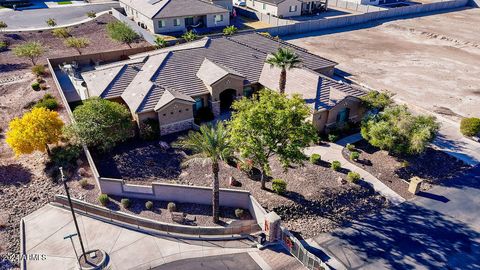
point(103, 199)
point(125, 202)
point(332, 137)
point(336, 165)
point(315, 158)
point(354, 155)
point(36, 86)
point(61, 32)
point(38, 70)
point(350, 147)
point(353, 177)
point(239, 213)
point(48, 101)
point(470, 126)
point(149, 205)
point(172, 207)
point(279, 186)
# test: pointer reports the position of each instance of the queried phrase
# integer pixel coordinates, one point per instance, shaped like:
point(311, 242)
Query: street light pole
point(73, 212)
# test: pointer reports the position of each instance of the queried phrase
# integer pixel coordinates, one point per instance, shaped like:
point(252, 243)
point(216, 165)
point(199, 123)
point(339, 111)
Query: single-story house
point(166, 16)
point(173, 83)
point(287, 8)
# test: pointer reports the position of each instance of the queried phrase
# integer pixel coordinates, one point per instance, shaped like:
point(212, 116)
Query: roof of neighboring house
point(317, 90)
point(173, 8)
point(187, 69)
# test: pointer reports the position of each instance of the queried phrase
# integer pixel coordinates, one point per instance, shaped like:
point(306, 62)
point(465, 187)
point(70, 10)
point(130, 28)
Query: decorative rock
point(164, 145)
point(414, 186)
point(341, 181)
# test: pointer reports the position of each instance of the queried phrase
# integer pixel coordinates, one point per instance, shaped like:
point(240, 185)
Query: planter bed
point(434, 166)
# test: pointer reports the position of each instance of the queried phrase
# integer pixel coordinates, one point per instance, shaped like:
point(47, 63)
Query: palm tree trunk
point(216, 192)
point(283, 80)
point(262, 179)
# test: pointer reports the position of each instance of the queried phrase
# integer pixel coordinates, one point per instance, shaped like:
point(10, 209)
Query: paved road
point(437, 230)
point(28, 19)
point(241, 261)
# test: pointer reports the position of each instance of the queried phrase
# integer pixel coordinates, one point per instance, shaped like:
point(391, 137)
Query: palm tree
point(210, 145)
point(284, 59)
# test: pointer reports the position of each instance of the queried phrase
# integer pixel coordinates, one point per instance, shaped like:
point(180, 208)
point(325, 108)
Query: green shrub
point(350, 147)
point(172, 207)
point(122, 32)
point(38, 70)
point(160, 42)
point(61, 32)
point(230, 30)
point(83, 183)
point(103, 199)
point(125, 202)
point(36, 86)
point(332, 137)
point(405, 164)
point(377, 100)
point(48, 101)
point(189, 36)
point(470, 126)
point(3, 45)
point(279, 186)
point(354, 155)
point(239, 213)
point(336, 165)
point(353, 177)
point(149, 205)
point(315, 158)
point(51, 22)
point(91, 14)
point(150, 129)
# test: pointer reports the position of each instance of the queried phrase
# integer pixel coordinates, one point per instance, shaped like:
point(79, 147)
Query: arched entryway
point(226, 99)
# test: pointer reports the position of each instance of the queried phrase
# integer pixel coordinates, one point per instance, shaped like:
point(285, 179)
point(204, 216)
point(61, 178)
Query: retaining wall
point(149, 37)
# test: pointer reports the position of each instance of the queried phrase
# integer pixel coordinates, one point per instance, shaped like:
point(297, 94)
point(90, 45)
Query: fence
point(124, 219)
point(321, 24)
point(295, 247)
point(354, 6)
point(267, 18)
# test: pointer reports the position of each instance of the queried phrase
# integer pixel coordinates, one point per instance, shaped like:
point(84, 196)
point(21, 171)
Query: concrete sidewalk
point(332, 151)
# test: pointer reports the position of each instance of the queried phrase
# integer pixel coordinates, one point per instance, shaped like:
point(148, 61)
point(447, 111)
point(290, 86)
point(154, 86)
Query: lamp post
point(73, 213)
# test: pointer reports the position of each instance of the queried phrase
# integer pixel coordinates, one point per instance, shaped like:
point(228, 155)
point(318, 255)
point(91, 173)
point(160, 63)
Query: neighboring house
point(166, 16)
point(173, 83)
point(287, 8)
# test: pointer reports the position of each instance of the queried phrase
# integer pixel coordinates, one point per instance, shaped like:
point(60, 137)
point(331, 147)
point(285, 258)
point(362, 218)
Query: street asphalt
point(439, 229)
point(35, 18)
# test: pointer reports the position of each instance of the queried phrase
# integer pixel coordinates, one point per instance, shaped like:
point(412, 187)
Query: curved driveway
point(35, 18)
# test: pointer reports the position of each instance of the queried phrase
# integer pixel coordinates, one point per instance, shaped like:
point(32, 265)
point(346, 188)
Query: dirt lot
point(24, 187)
point(430, 61)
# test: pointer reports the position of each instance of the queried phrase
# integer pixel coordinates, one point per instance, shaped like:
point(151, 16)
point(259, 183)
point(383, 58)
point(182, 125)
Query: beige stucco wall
point(227, 82)
point(282, 9)
point(175, 112)
point(138, 17)
point(324, 118)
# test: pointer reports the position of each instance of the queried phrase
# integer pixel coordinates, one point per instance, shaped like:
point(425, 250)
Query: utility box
point(415, 183)
point(272, 226)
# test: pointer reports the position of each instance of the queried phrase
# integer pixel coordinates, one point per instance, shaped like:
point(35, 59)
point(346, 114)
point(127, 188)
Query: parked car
point(240, 3)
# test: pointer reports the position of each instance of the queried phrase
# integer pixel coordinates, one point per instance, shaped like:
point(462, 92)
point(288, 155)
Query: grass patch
point(64, 2)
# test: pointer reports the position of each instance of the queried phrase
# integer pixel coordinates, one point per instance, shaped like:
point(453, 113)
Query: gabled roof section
point(197, 44)
point(99, 80)
point(141, 85)
point(148, 8)
point(211, 72)
point(171, 95)
point(173, 8)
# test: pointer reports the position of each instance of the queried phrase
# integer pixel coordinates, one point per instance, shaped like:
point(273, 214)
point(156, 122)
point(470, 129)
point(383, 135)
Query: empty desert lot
point(432, 61)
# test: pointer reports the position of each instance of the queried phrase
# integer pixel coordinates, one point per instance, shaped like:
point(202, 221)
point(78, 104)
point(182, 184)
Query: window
point(161, 23)
point(343, 115)
point(293, 8)
point(198, 104)
point(218, 18)
point(176, 22)
point(247, 91)
point(264, 6)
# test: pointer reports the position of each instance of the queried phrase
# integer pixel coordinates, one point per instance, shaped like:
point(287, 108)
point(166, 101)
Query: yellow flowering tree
point(34, 131)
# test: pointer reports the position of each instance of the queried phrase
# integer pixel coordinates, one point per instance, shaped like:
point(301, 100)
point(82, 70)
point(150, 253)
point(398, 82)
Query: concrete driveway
point(35, 19)
point(436, 230)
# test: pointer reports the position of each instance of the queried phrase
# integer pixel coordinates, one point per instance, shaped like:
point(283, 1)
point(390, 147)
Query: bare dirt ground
point(430, 61)
point(24, 186)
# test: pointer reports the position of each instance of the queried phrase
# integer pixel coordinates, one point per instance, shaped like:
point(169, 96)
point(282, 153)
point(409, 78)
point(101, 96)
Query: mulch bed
point(316, 200)
point(434, 166)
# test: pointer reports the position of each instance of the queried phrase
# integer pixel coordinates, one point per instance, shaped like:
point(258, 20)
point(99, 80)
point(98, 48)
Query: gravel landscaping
point(316, 200)
point(24, 186)
point(433, 166)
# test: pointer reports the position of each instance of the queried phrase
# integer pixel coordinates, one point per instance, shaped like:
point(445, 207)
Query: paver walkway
point(332, 151)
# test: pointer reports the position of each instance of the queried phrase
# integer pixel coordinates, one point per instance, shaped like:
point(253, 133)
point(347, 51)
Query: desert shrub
point(230, 30)
point(470, 126)
point(172, 207)
point(149, 129)
point(315, 158)
point(405, 164)
point(83, 183)
point(48, 101)
point(189, 36)
point(239, 213)
point(336, 165)
point(62, 156)
point(354, 155)
point(125, 202)
point(3, 45)
point(91, 14)
point(160, 42)
point(122, 32)
point(353, 177)
point(149, 205)
point(36, 86)
point(61, 32)
point(51, 22)
point(279, 186)
point(350, 147)
point(332, 137)
point(103, 199)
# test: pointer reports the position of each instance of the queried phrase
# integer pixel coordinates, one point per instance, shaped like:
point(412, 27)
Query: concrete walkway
point(130, 249)
point(332, 151)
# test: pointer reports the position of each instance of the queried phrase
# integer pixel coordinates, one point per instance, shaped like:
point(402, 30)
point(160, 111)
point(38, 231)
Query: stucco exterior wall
point(175, 112)
point(324, 118)
point(211, 20)
point(281, 10)
point(227, 82)
point(138, 17)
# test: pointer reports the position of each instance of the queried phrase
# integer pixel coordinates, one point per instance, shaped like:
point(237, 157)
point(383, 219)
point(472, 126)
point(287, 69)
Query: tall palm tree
point(284, 59)
point(210, 145)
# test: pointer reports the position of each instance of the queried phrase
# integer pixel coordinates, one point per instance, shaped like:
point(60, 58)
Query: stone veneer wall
point(176, 127)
